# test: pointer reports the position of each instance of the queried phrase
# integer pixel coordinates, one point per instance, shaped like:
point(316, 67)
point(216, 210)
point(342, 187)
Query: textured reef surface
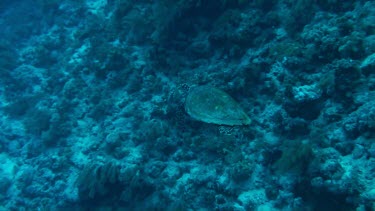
point(99, 107)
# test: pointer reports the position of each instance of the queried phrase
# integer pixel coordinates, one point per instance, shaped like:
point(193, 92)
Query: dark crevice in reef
point(323, 200)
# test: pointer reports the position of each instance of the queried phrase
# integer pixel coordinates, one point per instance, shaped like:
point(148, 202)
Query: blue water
point(94, 113)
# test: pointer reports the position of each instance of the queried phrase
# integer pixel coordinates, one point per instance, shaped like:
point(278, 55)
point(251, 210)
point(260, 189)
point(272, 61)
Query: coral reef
point(98, 108)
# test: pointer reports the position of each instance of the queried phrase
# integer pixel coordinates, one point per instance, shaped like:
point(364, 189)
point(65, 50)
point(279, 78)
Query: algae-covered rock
point(211, 105)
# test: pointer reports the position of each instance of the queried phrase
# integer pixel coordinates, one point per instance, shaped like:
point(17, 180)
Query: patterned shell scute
point(211, 105)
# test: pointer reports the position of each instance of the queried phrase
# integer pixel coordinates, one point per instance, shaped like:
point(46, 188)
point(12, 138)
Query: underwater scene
point(164, 105)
